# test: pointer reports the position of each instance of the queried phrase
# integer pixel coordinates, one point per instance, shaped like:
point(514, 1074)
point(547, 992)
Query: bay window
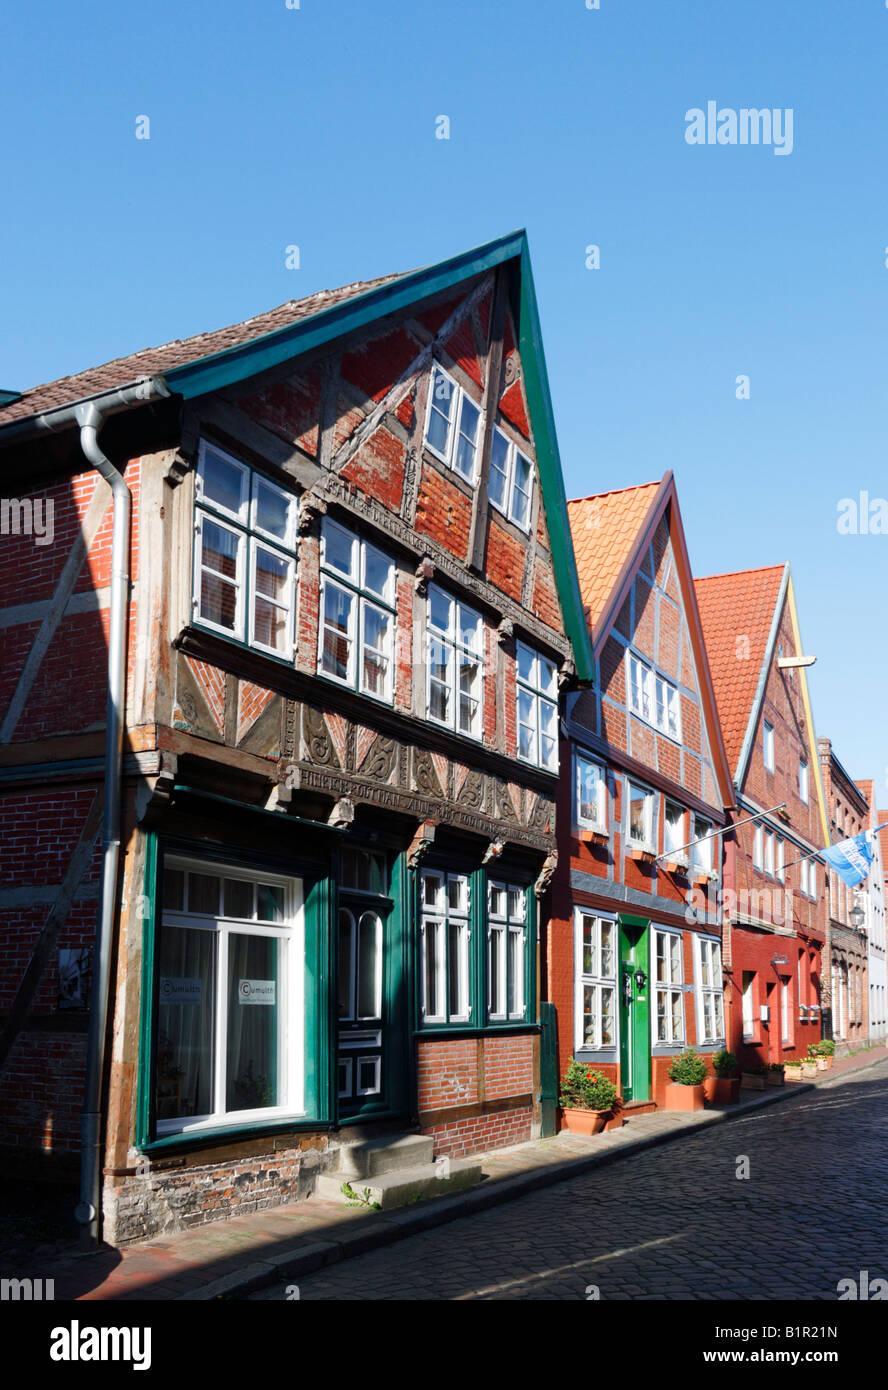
point(710, 992)
point(668, 987)
point(357, 606)
point(511, 480)
point(230, 1002)
point(537, 708)
point(245, 553)
point(455, 636)
point(453, 425)
point(596, 981)
point(506, 941)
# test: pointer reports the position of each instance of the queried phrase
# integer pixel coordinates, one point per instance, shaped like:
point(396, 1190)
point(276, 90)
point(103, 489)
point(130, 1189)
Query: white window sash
point(237, 583)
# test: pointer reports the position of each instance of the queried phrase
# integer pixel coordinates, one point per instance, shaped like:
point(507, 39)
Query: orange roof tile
point(733, 607)
point(604, 530)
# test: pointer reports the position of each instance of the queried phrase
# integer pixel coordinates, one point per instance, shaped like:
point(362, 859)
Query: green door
point(635, 1014)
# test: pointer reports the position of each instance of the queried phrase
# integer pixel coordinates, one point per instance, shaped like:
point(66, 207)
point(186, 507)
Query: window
point(506, 939)
point(748, 1004)
point(758, 853)
point(669, 1017)
point(537, 708)
point(357, 603)
point(812, 880)
point(674, 836)
point(444, 933)
point(769, 853)
point(230, 999)
point(453, 425)
point(653, 698)
point(596, 976)
point(803, 876)
point(768, 746)
point(785, 1011)
point(511, 480)
point(591, 793)
point(639, 817)
point(803, 780)
point(244, 561)
point(455, 636)
point(781, 858)
point(701, 850)
point(709, 989)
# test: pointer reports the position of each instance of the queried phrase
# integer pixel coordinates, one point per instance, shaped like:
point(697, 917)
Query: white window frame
point(768, 745)
point(436, 919)
point(543, 695)
point(291, 1007)
point(701, 853)
point(781, 859)
point(786, 1024)
point(758, 848)
point(596, 980)
point(804, 784)
point(507, 939)
point(769, 853)
point(710, 997)
point(451, 451)
point(673, 985)
point(354, 585)
point(242, 523)
point(803, 876)
point(647, 843)
point(582, 760)
point(648, 693)
point(747, 1005)
point(509, 474)
point(677, 853)
point(454, 645)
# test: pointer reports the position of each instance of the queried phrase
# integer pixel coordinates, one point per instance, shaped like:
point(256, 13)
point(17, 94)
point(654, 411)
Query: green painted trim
point(8, 397)
point(542, 422)
point(144, 1096)
point(199, 1139)
point(319, 1073)
point(635, 1018)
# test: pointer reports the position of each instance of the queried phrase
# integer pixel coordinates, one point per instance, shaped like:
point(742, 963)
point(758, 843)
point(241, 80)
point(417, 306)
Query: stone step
point(396, 1189)
point(375, 1157)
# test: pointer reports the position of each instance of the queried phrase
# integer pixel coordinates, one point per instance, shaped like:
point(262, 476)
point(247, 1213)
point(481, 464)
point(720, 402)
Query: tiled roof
point(866, 790)
point(604, 530)
point(735, 607)
point(122, 371)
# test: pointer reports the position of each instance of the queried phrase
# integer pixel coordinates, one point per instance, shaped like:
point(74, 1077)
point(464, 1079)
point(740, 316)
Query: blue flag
point(851, 859)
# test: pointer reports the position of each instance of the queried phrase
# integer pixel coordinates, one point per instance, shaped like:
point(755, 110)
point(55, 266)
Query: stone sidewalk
point(230, 1259)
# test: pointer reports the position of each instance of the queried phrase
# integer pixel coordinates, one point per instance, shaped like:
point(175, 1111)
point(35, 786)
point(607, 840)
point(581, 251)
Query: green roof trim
point(232, 365)
point(8, 397)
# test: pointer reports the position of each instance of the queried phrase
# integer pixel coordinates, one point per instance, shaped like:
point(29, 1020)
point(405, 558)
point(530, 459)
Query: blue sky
point(315, 126)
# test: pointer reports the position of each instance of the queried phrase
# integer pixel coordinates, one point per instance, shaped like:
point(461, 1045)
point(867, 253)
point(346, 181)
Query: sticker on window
point(256, 992)
point(185, 991)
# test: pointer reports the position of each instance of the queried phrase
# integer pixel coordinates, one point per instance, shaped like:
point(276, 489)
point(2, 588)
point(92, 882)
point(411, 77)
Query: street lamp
point(856, 916)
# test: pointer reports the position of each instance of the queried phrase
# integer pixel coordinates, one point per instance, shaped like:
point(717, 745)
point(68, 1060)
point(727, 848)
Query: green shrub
point(689, 1069)
point(584, 1088)
point(826, 1047)
point(724, 1064)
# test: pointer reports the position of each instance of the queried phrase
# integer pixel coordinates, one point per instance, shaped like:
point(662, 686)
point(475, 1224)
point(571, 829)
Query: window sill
point(590, 833)
point(676, 864)
point(197, 1137)
point(641, 852)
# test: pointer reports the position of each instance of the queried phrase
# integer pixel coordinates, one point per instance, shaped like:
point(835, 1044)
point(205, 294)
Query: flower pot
point(679, 1097)
point(775, 1078)
point(809, 1069)
point(752, 1081)
point(721, 1090)
point(792, 1073)
point(822, 1064)
point(586, 1121)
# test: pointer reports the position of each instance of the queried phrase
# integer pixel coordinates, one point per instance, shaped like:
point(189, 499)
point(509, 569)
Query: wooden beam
point(478, 527)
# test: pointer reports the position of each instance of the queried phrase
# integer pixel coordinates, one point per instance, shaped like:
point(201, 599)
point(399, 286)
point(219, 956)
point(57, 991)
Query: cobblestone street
point(673, 1223)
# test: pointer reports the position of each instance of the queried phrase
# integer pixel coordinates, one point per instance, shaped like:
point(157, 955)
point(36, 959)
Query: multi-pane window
point(511, 480)
point(781, 858)
point(769, 853)
point(537, 708)
point(357, 603)
point(639, 816)
point(768, 745)
point(596, 976)
point(506, 940)
point(803, 877)
point(244, 561)
point(653, 698)
point(803, 780)
point(228, 1038)
point(455, 661)
point(444, 955)
point(674, 837)
point(453, 425)
point(710, 989)
point(701, 849)
point(758, 848)
point(669, 1018)
point(591, 793)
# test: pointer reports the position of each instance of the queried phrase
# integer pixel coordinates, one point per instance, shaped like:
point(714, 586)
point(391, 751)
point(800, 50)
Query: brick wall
point(465, 1086)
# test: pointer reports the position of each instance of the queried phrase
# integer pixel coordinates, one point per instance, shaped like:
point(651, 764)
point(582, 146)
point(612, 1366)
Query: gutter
point(89, 416)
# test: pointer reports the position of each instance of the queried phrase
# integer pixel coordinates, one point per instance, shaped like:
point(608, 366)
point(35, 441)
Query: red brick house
point(335, 630)
point(633, 950)
point(775, 918)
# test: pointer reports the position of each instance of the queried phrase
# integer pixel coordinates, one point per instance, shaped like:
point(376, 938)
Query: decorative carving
point(505, 807)
point(312, 506)
point(425, 571)
point(343, 812)
point(316, 738)
point(421, 844)
point(493, 851)
point(567, 674)
point(177, 470)
point(472, 796)
point(505, 632)
point(381, 760)
point(550, 864)
point(543, 815)
point(425, 778)
point(510, 370)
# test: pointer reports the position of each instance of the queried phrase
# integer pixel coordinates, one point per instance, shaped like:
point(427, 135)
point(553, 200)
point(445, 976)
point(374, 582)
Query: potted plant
point(827, 1050)
point(775, 1074)
point(686, 1077)
point(815, 1053)
point(724, 1087)
point(809, 1066)
point(587, 1099)
point(754, 1078)
point(792, 1070)
point(676, 863)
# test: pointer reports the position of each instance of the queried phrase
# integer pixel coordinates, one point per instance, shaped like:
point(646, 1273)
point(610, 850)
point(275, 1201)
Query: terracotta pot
point(721, 1090)
point(586, 1121)
point(750, 1081)
point(679, 1097)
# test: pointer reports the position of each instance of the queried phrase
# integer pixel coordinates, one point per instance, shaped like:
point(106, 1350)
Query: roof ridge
point(730, 574)
point(613, 492)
